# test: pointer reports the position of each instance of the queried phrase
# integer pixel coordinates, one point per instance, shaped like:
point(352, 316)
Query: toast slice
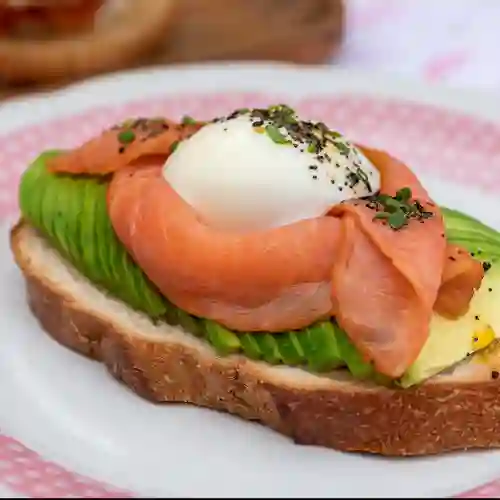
point(459, 409)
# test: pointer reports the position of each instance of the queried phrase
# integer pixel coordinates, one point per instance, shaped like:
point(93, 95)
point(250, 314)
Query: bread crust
point(443, 414)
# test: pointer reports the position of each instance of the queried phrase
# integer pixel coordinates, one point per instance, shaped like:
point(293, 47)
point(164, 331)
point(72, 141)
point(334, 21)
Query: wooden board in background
point(300, 31)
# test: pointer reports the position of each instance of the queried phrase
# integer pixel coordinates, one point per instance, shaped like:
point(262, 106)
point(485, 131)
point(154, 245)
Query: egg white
point(239, 179)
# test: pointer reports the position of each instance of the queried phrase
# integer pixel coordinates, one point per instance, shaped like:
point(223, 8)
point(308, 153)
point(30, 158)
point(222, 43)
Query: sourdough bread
point(456, 410)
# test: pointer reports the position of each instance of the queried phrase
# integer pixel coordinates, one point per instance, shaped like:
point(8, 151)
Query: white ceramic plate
point(68, 429)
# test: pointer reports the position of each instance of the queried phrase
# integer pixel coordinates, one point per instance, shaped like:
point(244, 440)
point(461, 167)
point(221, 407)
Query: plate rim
point(479, 105)
point(321, 80)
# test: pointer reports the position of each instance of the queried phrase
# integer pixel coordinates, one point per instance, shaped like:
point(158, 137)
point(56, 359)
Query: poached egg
point(265, 168)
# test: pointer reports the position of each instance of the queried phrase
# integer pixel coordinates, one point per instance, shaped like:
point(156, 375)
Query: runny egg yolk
point(265, 168)
point(483, 337)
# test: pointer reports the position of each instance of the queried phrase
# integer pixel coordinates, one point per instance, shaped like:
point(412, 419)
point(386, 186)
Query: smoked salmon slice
point(462, 275)
point(252, 281)
point(122, 144)
point(385, 283)
point(381, 284)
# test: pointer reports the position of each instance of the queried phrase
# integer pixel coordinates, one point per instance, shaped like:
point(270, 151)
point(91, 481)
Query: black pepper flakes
point(495, 374)
point(281, 124)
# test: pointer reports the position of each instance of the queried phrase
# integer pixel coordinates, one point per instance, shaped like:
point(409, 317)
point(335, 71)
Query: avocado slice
point(170, 314)
point(60, 233)
point(71, 212)
point(31, 191)
point(457, 222)
point(451, 341)
point(290, 349)
point(224, 340)
point(88, 235)
point(103, 234)
point(250, 346)
point(323, 349)
point(359, 368)
point(49, 208)
point(484, 250)
point(269, 347)
point(470, 233)
point(71, 194)
point(191, 324)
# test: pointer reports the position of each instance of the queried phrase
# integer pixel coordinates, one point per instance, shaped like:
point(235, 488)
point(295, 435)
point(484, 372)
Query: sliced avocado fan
point(71, 212)
point(482, 241)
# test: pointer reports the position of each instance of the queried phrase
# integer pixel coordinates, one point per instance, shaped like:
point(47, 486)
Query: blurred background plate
point(450, 41)
point(49, 42)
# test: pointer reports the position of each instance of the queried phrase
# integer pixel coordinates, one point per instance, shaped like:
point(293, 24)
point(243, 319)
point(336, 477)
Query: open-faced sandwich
point(266, 266)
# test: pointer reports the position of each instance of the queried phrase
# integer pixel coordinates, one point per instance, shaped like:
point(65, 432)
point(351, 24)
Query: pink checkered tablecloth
point(454, 42)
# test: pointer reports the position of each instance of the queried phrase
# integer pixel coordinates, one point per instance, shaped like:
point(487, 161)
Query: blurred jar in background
point(57, 41)
point(29, 18)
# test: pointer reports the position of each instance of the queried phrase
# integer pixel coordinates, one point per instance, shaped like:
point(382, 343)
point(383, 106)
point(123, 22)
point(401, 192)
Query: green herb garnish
point(403, 194)
point(174, 146)
point(187, 120)
point(333, 133)
point(343, 148)
point(126, 136)
point(397, 219)
point(363, 177)
point(275, 135)
point(398, 210)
